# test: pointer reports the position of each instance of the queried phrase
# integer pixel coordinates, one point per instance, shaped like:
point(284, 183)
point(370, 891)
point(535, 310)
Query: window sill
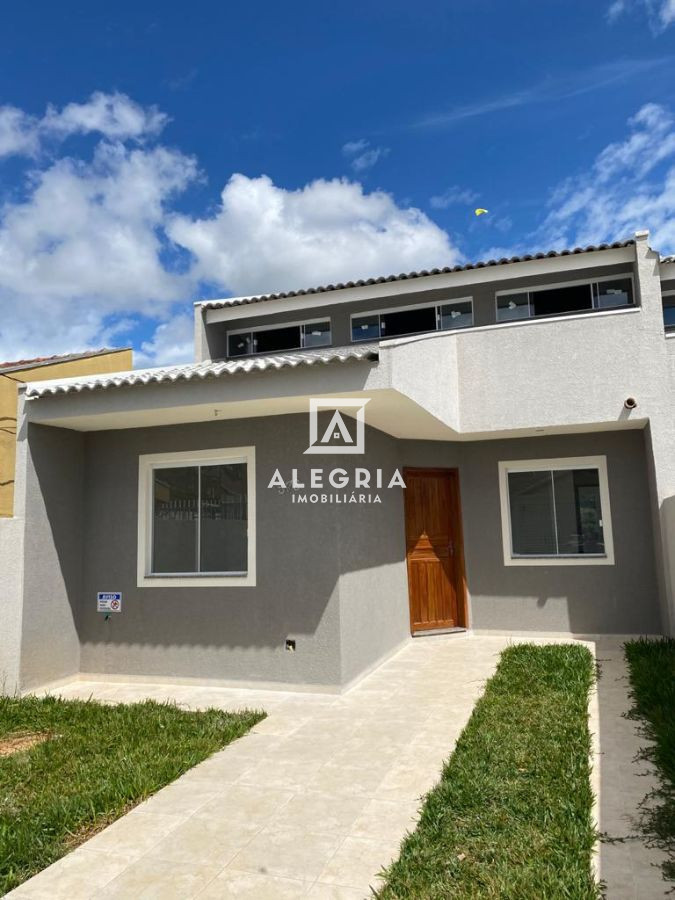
point(196, 581)
point(591, 314)
point(587, 560)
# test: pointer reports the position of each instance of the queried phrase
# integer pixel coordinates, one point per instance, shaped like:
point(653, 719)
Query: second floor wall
point(418, 306)
point(420, 311)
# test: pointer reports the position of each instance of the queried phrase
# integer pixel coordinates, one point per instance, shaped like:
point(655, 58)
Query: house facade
point(490, 447)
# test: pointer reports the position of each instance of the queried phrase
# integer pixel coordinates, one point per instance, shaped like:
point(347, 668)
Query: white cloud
point(550, 90)
point(85, 244)
point(172, 342)
point(630, 185)
point(18, 134)
point(660, 13)
point(264, 237)
point(115, 116)
point(363, 155)
point(93, 249)
point(454, 196)
point(616, 9)
point(353, 147)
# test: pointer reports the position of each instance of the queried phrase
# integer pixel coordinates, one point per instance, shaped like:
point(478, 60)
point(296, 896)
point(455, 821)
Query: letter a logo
point(336, 437)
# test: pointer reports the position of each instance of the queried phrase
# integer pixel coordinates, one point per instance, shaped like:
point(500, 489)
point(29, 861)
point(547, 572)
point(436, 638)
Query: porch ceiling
point(388, 410)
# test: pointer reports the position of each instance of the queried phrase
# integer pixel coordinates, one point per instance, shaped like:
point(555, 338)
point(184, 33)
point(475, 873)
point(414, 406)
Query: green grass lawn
point(97, 762)
point(511, 815)
point(651, 665)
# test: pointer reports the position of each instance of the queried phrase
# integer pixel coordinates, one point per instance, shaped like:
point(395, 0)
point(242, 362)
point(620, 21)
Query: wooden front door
point(434, 549)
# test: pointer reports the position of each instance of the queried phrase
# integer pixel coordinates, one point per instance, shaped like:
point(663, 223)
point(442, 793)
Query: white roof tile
point(195, 371)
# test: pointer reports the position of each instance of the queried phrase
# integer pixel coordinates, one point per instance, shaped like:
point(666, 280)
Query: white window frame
point(394, 309)
point(563, 284)
point(565, 462)
point(147, 463)
point(301, 324)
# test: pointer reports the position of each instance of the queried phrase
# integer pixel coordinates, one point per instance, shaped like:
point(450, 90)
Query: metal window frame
point(147, 464)
point(301, 324)
point(408, 308)
point(668, 329)
point(505, 467)
point(563, 284)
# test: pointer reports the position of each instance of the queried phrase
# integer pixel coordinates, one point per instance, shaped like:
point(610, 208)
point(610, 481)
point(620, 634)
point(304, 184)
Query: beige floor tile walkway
point(315, 800)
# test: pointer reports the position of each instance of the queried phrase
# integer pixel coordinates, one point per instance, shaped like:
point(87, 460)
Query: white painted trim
point(413, 306)
point(449, 280)
point(537, 465)
point(146, 464)
point(513, 323)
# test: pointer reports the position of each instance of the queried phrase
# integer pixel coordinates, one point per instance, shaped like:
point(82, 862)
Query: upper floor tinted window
point(555, 301)
point(279, 338)
point(669, 312)
point(415, 320)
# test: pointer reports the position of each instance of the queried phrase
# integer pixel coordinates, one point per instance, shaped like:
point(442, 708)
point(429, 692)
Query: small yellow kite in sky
point(480, 212)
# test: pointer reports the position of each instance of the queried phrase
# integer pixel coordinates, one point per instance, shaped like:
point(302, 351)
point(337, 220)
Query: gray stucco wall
point(484, 310)
point(239, 633)
point(52, 569)
point(374, 611)
point(332, 577)
point(579, 599)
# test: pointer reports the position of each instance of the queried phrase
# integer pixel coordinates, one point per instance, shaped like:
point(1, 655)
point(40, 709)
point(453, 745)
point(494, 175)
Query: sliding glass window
point(296, 336)
point(200, 519)
point(563, 299)
point(414, 320)
point(556, 512)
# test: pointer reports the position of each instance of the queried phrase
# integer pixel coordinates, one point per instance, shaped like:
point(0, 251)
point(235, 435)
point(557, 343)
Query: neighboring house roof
point(196, 371)
point(39, 361)
point(424, 273)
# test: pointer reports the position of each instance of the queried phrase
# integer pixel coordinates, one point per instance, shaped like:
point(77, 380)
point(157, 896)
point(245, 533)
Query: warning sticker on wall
point(109, 602)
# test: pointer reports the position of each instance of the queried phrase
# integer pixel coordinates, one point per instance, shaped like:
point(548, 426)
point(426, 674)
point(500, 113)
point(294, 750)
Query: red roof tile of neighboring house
point(37, 361)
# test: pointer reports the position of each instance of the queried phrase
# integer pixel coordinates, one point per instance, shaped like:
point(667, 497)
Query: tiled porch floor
point(315, 800)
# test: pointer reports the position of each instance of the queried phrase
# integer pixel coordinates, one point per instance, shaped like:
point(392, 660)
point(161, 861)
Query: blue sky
point(152, 155)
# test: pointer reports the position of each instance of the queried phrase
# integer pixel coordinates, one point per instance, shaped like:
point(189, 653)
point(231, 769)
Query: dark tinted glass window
point(223, 526)
point(556, 513)
point(365, 327)
point(513, 306)
point(532, 517)
point(277, 339)
point(577, 511)
point(457, 315)
point(409, 321)
point(561, 300)
point(317, 335)
point(174, 532)
point(669, 312)
point(239, 344)
point(200, 520)
point(614, 293)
